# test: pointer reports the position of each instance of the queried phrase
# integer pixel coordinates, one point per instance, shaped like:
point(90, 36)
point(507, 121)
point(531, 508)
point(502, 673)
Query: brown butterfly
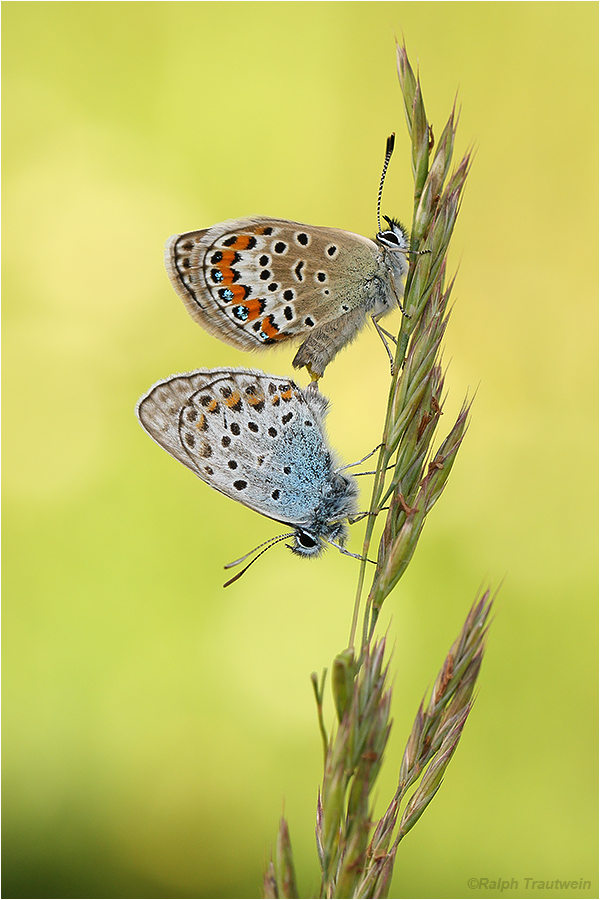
point(257, 281)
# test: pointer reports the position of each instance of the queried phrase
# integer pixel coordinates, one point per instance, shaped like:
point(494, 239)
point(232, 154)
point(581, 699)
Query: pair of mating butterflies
point(258, 438)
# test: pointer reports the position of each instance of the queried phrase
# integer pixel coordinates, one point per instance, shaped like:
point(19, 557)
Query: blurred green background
point(155, 726)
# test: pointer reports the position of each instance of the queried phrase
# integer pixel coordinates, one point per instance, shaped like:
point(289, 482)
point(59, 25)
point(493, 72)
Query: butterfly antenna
point(266, 545)
point(389, 149)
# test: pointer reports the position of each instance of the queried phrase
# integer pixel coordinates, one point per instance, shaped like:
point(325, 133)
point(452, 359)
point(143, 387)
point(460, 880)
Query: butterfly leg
point(359, 461)
point(389, 335)
point(382, 335)
point(353, 555)
point(387, 468)
point(352, 520)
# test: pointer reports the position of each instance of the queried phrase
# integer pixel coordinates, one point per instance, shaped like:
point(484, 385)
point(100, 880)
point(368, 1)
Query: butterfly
point(257, 281)
point(259, 439)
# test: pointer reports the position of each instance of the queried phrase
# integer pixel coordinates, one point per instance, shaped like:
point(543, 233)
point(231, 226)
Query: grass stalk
point(356, 852)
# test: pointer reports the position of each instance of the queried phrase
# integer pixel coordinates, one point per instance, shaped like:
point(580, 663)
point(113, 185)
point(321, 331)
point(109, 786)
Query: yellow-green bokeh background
point(154, 724)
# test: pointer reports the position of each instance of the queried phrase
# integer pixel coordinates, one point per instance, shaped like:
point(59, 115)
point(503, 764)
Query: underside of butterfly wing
point(256, 438)
point(255, 282)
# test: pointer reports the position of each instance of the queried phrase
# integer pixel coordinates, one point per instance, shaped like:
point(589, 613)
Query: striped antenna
point(266, 545)
point(389, 149)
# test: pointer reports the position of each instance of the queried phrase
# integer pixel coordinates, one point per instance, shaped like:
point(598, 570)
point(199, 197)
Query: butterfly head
point(311, 542)
point(394, 244)
point(394, 237)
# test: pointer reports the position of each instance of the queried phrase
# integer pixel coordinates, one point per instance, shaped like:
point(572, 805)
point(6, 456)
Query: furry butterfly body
point(258, 281)
point(259, 439)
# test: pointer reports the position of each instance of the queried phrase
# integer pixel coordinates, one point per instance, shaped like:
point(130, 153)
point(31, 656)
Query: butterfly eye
point(305, 540)
point(395, 236)
point(388, 237)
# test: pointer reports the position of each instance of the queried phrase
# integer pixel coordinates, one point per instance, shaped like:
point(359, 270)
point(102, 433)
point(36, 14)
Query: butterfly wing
point(256, 438)
point(253, 282)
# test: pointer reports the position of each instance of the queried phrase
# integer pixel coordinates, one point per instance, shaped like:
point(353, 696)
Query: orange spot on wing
point(287, 395)
point(213, 406)
point(242, 242)
point(233, 399)
point(256, 400)
point(228, 258)
point(254, 309)
point(271, 330)
point(239, 293)
point(227, 274)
